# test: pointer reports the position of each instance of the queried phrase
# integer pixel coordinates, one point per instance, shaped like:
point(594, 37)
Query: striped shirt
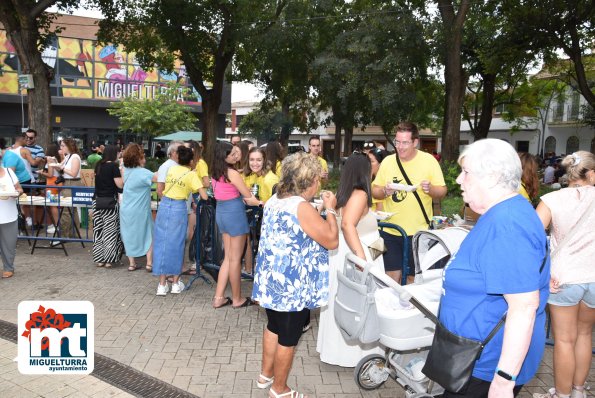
point(36, 152)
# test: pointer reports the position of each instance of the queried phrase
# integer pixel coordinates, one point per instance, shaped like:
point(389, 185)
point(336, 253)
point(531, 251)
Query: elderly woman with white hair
point(501, 269)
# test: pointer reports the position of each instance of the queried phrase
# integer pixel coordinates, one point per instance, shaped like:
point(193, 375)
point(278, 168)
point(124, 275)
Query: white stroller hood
point(430, 247)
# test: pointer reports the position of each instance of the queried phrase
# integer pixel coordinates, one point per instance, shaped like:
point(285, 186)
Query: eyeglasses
point(402, 143)
point(28, 137)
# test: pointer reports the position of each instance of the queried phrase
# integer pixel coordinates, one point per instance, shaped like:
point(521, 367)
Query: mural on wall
point(83, 69)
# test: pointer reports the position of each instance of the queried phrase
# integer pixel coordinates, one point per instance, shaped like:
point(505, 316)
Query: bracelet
point(331, 211)
point(505, 375)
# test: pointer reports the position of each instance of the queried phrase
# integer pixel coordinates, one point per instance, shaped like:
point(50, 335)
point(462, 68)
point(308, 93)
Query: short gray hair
point(496, 158)
point(173, 146)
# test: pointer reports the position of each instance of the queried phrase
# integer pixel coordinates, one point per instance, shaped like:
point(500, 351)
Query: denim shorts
point(230, 216)
point(570, 295)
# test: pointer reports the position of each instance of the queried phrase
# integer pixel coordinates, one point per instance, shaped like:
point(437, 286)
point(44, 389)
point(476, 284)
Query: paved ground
point(178, 339)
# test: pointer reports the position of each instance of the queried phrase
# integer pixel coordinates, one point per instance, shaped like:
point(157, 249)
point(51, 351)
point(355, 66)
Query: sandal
point(189, 271)
point(246, 303)
point(108, 265)
point(268, 381)
point(227, 301)
point(7, 274)
point(132, 268)
point(149, 267)
point(100, 264)
point(289, 394)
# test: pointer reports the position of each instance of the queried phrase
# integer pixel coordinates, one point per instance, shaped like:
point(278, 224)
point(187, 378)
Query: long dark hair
point(274, 153)
point(110, 154)
point(355, 174)
point(220, 166)
point(243, 163)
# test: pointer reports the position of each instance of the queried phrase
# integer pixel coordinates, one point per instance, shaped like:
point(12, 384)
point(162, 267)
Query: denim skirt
point(231, 217)
point(169, 237)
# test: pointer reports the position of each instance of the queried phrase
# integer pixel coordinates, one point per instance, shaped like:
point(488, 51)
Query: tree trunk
point(454, 76)
point(210, 111)
point(485, 120)
point(24, 37)
point(286, 128)
point(337, 148)
point(347, 141)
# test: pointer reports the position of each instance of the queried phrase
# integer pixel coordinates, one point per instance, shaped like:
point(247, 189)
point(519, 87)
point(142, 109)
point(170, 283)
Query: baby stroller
point(370, 306)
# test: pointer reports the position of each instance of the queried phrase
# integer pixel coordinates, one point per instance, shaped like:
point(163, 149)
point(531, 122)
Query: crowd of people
point(502, 269)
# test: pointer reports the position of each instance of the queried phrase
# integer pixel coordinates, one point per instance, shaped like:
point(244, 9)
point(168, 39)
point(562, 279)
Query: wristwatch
point(505, 375)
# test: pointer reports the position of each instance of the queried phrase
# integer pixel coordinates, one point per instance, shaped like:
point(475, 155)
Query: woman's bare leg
point(565, 328)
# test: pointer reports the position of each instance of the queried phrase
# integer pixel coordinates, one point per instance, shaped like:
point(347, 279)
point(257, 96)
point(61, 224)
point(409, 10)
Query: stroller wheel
point(371, 372)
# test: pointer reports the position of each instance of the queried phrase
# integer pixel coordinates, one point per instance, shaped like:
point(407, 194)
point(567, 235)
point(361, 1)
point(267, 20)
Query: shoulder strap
point(421, 206)
point(176, 181)
point(503, 319)
point(9, 172)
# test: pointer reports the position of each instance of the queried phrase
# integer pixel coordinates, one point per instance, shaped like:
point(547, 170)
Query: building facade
point(88, 77)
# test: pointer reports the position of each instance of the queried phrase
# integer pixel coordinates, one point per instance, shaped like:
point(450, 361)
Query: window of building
point(550, 144)
point(522, 146)
point(572, 144)
point(559, 110)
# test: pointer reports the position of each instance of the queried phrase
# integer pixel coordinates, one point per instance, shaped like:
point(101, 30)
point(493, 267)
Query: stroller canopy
point(434, 247)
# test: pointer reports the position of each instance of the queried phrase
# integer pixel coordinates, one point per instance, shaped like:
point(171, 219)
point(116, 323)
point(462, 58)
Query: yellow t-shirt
point(408, 213)
point(202, 170)
point(265, 184)
point(278, 169)
point(180, 182)
point(524, 193)
point(323, 163)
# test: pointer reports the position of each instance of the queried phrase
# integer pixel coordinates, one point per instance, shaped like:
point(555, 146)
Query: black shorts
point(477, 389)
point(287, 325)
point(393, 257)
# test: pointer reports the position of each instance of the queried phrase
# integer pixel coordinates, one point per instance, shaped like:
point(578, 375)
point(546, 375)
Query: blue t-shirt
point(11, 159)
point(501, 255)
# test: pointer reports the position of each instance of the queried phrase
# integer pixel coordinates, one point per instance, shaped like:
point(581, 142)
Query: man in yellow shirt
point(426, 179)
point(315, 148)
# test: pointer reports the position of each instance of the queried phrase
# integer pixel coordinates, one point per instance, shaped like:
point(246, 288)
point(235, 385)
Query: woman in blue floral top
point(292, 266)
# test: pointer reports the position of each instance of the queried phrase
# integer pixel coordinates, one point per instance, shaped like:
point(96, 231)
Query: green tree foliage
point(28, 28)
point(204, 34)
point(552, 25)
point(375, 70)
point(158, 116)
point(497, 63)
point(265, 123)
point(281, 58)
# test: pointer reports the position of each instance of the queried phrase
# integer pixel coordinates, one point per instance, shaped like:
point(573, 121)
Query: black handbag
point(105, 202)
point(452, 357)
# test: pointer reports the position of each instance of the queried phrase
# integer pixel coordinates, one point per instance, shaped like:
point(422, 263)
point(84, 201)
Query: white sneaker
point(550, 394)
point(162, 289)
point(29, 221)
point(578, 393)
point(51, 229)
point(177, 288)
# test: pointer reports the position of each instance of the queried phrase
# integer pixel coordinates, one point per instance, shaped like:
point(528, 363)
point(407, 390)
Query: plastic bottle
point(255, 191)
point(48, 196)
